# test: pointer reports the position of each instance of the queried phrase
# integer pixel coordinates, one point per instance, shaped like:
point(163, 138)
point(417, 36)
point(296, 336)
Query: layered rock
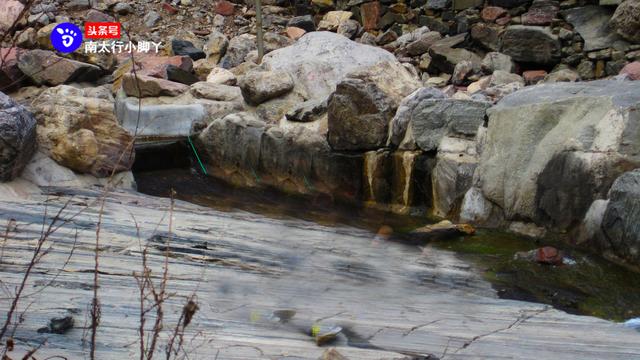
point(549, 153)
point(78, 129)
point(17, 138)
point(249, 152)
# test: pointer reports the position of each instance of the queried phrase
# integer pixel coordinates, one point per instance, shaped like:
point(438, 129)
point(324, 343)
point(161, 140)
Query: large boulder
point(46, 68)
point(320, 60)
point(621, 222)
point(626, 20)
point(78, 129)
point(552, 149)
point(531, 44)
point(249, 152)
point(359, 114)
point(406, 111)
point(363, 105)
point(435, 118)
point(17, 138)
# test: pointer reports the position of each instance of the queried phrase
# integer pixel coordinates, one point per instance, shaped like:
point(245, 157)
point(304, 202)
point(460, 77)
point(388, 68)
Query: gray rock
point(626, 20)
point(500, 77)
point(444, 58)
point(438, 4)
point(487, 35)
point(349, 28)
point(621, 222)
point(46, 68)
point(238, 49)
point(260, 86)
point(359, 115)
point(434, 119)
point(319, 60)
point(531, 44)
point(151, 19)
point(122, 8)
point(406, 111)
point(423, 43)
point(553, 149)
point(592, 23)
point(17, 138)
point(497, 61)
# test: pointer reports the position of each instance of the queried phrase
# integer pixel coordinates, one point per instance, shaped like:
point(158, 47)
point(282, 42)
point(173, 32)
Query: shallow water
point(593, 286)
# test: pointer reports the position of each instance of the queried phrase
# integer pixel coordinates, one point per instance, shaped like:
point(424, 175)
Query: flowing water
point(592, 286)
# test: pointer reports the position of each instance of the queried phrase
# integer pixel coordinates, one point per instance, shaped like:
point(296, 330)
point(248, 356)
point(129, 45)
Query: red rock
point(533, 76)
point(370, 13)
point(632, 70)
point(169, 9)
point(491, 13)
point(10, 74)
point(156, 66)
point(224, 7)
point(295, 32)
point(548, 255)
point(503, 20)
point(541, 13)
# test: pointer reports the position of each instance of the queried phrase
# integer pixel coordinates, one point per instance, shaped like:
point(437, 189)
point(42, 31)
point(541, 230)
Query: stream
point(592, 286)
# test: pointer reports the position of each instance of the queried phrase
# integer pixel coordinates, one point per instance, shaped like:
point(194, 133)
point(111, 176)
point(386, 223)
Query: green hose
point(195, 152)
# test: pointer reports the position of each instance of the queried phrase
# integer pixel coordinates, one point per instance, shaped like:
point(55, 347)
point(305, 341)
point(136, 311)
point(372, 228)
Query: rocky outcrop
point(432, 119)
point(17, 138)
point(621, 221)
point(78, 129)
point(551, 150)
point(249, 152)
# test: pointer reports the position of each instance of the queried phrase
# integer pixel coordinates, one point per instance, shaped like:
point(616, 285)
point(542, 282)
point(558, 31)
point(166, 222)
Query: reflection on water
point(592, 286)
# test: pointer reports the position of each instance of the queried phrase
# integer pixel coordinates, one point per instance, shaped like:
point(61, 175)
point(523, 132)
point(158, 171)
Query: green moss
point(593, 286)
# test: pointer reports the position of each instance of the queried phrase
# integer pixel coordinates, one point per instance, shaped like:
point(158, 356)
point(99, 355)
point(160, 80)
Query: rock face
point(249, 152)
point(626, 20)
point(46, 68)
point(78, 129)
point(531, 44)
point(17, 138)
point(435, 118)
point(549, 154)
point(621, 222)
point(320, 60)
